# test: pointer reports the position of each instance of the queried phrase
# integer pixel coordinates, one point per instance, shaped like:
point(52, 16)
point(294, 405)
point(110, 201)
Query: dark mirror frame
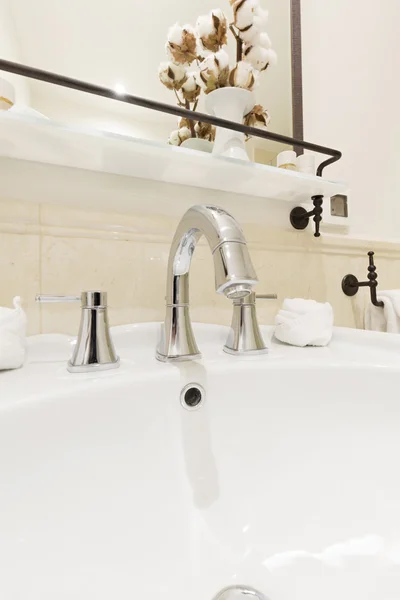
point(297, 73)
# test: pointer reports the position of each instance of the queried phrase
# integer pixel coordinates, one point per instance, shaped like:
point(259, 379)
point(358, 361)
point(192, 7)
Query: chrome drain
point(193, 396)
point(235, 592)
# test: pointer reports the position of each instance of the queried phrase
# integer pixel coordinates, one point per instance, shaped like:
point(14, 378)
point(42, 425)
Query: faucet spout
point(234, 274)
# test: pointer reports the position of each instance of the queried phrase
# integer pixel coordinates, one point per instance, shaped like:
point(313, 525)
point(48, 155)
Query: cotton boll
point(204, 25)
point(250, 35)
point(212, 30)
point(181, 44)
point(263, 40)
point(243, 12)
point(243, 76)
point(205, 131)
point(260, 58)
point(214, 71)
point(174, 139)
point(171, 75)
point(273, 57)
point(257, 56)
point(183, 122)
point(184, 133)
point(260, 19)
point(190, 83)
point(217, 12)
point(257, 117)
point(202, 52)
point(179, 135)
point(209, 64)
point(175, 34)
point(222, 58)
point(190, 88)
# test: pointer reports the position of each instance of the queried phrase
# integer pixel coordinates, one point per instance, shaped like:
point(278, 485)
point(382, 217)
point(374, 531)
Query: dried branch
point(191, 124)
point(239, 43)
point(180, 103)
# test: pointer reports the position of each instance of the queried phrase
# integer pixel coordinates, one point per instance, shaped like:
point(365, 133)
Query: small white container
point(198, 144)
point(287, 160)
point(306, 163)
point(7, 94)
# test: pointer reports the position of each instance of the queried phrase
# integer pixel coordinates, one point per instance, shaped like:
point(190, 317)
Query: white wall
point(9, 51)
point(97, 113)
point(351, 51)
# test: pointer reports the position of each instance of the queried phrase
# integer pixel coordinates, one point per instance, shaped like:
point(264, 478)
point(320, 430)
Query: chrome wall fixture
point(351, 285)
point(299, 216)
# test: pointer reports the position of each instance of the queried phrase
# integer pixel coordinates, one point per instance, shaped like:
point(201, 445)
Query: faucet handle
point(251, 298)
point(47, 298)
point(267, 296)
point(90, 299)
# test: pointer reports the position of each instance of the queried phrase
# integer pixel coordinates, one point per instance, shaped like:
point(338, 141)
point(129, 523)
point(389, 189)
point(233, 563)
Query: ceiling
point(123, 42)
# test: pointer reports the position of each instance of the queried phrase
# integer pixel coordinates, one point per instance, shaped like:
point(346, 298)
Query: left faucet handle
point(48, 298)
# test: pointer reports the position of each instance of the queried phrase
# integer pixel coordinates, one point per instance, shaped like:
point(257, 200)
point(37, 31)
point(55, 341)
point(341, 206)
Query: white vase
point(198, 144)
point(233, 104)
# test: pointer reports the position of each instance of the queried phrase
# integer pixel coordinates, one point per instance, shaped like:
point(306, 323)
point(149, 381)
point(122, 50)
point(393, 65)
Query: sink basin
point(283, 478)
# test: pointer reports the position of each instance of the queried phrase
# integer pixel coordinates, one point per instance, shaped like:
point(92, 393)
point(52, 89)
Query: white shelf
point(43, 141)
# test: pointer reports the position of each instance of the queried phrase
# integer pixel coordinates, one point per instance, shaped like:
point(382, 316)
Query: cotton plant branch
point(191, 123)
point(179, 101)
point(239, 43)
point(198, 62)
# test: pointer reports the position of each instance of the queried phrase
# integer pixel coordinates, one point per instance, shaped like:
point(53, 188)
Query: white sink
point(285, 479)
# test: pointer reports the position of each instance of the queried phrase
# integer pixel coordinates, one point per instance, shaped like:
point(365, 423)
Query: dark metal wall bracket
point(351, 285)
point(300, 218)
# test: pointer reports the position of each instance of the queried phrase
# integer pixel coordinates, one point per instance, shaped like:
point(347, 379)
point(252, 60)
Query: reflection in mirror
point(121, 45)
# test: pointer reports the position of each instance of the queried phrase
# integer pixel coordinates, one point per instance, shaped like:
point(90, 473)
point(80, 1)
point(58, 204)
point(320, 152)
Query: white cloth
point(304, 323)
point(386, 318)
point(12, 336)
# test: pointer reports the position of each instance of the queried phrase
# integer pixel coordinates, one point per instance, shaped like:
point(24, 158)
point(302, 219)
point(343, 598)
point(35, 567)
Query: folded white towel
point(304, 323)
point(386, 318)
point(12, 336)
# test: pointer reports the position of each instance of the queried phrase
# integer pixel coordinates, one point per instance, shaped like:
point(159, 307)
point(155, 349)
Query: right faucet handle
point(267, 296)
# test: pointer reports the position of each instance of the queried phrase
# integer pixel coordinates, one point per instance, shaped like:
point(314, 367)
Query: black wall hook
point(300, 218)
point(351, 285)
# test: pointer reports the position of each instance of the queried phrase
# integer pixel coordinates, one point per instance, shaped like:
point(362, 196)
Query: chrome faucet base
point(94, 348)
point(234, 352)
point(177, 341)
point(90, 368)
point(182, 358)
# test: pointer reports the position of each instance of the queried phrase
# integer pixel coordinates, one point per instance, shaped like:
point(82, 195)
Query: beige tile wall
point(58, 250)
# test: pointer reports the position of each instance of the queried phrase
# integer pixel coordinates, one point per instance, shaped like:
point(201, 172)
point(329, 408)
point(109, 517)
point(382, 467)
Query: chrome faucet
point(234, 274)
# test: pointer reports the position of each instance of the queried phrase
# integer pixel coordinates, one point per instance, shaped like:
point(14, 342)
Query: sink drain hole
point(192, 396)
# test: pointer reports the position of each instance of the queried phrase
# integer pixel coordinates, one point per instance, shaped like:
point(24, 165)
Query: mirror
point(120, 45)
